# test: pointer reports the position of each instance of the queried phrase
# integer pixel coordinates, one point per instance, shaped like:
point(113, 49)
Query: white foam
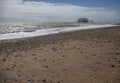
point(48, 31)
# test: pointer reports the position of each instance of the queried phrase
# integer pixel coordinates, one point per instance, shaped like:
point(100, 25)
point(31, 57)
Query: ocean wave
point(39, 32)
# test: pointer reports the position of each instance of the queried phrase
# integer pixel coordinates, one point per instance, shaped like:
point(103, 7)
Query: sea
point(23, 30)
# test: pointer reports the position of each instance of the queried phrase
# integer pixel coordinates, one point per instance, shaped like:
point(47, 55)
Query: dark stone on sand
point(3, 59)
point(33, 76)
point(64, 69)
point(30, 81)
point(54, 49)
point(46, 66)
point(53, 60)
point(16, 56)
point(59, 81)
point(97, 62)
point(109, 41)
point(7, 69)
point(63, 56)
point(33, 54)
point(117, 53)
point(117, 79)
point(45, 60)
point(35, 58)
point(44, 80)
point(118, 61)
point(19, 75)
point(113, 66)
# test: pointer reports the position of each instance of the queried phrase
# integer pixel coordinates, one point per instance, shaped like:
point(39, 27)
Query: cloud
point(32, 11)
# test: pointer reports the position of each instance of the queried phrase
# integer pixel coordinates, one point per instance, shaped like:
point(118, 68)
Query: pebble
point(44, 80)
point(3, 59)
point(113, 66)
point(117, 53)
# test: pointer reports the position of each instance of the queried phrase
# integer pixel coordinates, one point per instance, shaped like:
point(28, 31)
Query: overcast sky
point(58, 10)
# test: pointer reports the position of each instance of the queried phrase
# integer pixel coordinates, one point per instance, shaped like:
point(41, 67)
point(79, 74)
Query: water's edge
point(48, 31)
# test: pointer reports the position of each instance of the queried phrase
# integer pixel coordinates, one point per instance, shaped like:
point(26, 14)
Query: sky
point(59, 10)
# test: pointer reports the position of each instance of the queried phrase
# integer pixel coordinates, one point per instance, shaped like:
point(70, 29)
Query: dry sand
point(87, 56)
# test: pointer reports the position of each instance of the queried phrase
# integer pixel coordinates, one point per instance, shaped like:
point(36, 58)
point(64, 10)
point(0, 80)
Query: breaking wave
point(22, 32)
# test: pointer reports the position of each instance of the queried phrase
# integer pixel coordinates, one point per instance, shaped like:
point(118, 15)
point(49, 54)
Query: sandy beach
point(86, 56)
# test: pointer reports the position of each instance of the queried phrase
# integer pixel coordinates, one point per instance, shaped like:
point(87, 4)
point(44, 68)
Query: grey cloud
point(19, 11)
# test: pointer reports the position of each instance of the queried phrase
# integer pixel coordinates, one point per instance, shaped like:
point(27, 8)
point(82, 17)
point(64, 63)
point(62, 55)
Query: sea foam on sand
point(48, 31)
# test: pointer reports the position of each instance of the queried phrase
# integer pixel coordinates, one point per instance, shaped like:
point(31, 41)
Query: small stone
point(5, 80)
point(95, 77)
point(53, 60)
point(97, 62)
point(109, 41)
point(94, 54)
point(117, 53)
point(19, 75)
point(91, 66)
point(87, 57)
point(59, 82)
point(117, 79)
point(7, 69)
point(30, 81)
point(113, 72)
point(35, 58)
point(33, 54)
point(16, 56)
point(113, 66)
point(52, 71)
point(19, 71)
point(64, 69)
point(63, 56)
point(33, 76)
point(118, 61)
point(108, 60)
point(4, 59)
point(46, 66)
point(44, 80)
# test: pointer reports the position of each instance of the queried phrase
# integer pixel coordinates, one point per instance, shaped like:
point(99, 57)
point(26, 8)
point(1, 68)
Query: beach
point(84, 56)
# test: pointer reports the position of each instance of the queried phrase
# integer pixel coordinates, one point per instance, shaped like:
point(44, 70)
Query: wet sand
point(87, 56)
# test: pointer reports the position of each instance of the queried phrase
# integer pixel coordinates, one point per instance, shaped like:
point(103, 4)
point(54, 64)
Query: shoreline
point(48, 31)
point(49, 39)
point(85, 56)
